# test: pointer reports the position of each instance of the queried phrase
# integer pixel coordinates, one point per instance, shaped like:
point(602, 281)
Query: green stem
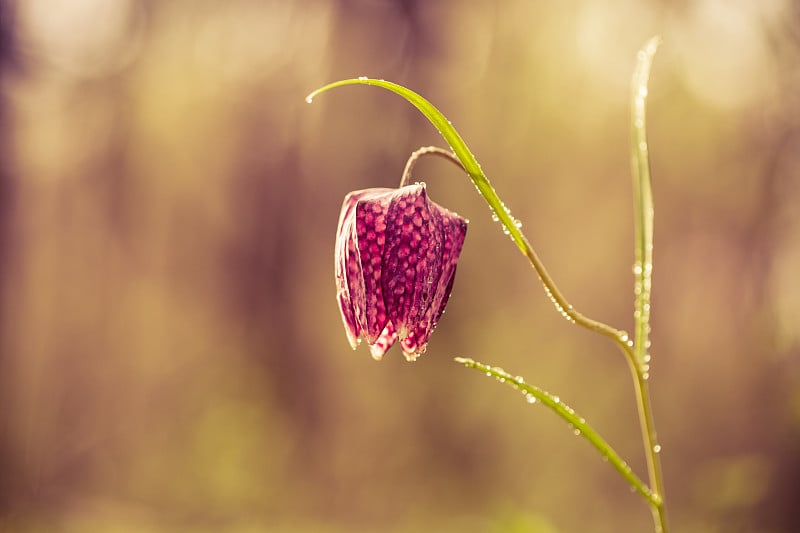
point(652, 449)
point(577, 422)
point(426, 150)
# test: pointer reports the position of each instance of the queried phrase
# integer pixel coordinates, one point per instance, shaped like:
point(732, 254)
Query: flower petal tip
point(411, 357)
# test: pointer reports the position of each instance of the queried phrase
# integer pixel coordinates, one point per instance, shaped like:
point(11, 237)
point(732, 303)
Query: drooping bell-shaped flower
point(396, 255)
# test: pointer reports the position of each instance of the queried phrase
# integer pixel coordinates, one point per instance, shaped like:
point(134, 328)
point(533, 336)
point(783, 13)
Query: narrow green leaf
point(643, 205)
point(458, 146)
point(577, 423)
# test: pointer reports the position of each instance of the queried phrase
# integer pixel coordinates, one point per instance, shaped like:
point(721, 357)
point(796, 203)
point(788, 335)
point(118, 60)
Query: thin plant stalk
point(426, 150)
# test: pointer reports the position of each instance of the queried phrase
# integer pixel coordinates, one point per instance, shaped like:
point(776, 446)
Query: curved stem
point(426, 150)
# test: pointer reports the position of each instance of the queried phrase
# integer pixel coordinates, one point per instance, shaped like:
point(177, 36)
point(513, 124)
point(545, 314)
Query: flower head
point(396, 255)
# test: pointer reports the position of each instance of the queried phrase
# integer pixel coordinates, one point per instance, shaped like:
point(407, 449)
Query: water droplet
point(646, 358)
point(530, 398)
point(495, 217)
point(624, 337)
point(517, 224)
point(637, 269)
point(519, 380)
point(657, 448)
point(646, 376)
point(576, 432)
point(488, 374)
point(556, 399)
point(363, 78)
point(309, 99)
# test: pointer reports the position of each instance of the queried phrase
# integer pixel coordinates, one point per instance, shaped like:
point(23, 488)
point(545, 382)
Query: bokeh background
point(171, 355)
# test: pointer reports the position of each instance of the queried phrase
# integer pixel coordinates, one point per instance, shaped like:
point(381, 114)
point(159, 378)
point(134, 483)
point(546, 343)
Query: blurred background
point(171, 353)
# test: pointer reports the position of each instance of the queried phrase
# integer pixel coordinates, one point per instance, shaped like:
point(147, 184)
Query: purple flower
point(396, 255)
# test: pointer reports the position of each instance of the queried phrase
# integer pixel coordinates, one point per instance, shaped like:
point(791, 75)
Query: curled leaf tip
point(363, 80)
point(651, 46)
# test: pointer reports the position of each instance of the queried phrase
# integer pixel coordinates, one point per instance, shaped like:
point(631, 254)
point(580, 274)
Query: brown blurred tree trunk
point(7, 61)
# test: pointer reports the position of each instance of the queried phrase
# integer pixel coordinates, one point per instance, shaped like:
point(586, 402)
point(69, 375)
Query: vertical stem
point(652, 448)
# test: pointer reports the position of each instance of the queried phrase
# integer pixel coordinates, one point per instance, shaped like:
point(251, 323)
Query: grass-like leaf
point(643, 205)
point(643, 271)
point(576, 422)
point(457, 144)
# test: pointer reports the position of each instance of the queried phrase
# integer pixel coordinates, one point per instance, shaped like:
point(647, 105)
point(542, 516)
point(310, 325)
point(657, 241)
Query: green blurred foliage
point(171, 354)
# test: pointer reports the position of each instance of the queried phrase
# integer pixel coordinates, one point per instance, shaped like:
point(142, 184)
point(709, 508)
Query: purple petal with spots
point(396, 255)
point(347, 267)
point(370, 216)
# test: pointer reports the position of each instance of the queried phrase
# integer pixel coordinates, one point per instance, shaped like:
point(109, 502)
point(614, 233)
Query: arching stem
point(427, 150)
